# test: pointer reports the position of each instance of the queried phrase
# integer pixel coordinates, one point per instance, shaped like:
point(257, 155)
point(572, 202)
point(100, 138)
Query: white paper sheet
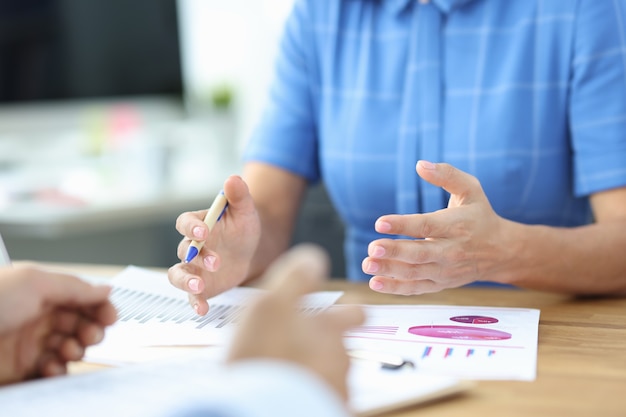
point(480, 343)
point(152, 312)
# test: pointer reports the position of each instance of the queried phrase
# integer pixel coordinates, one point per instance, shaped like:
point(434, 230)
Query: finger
point(90, 333)
point(209, 259)
point(298, 272)
point(402, 270)
point(88, 327)
point(413, 251)
point(199, 304)
point(70, 350)
point(67, 290)
point(403, 287)
point(65, 321)
point(54, 341)
point(105, 314)
point(187, 277)
point(47, 364)
point(240, 202)
point(183, 247)
point(451, 179)
point(52, 366)
point(191, 225)
point(442, 223)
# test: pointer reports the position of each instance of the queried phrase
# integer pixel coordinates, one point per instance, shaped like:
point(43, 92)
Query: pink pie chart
point(474, 319)
point(459, 332)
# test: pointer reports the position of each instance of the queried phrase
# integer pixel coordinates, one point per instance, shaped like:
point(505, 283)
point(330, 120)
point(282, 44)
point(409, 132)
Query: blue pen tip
point(192, 252)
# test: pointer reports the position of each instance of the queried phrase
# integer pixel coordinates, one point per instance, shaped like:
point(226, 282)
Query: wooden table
point(581, 367)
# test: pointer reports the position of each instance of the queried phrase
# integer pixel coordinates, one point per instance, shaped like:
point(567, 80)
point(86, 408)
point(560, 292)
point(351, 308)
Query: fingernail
point(194, 284)
point(383, 226)
point(376, 285)
point(371, 267)
point(195, 308)
point(378, 252)
point(209, 262)
point(198, 232)
point(427, 165)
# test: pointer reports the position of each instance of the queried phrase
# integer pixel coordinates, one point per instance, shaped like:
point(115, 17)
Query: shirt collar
point(444, 5)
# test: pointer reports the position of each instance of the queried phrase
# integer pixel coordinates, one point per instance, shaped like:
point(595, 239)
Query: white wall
point(234, 42)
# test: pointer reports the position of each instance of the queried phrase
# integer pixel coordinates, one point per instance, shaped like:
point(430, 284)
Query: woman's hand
point(455, 246)
point(224, 260)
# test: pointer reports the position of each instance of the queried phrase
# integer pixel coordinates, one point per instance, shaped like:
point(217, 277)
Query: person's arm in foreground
point(469, 242)
point(283, 362)
point(47, 320)
point(255, 229)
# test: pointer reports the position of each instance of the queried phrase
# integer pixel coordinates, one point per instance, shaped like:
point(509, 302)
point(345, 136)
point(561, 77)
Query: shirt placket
point(420, 125)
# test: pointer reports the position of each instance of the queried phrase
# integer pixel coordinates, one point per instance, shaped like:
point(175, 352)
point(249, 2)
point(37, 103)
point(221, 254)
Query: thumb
point(238, 195)
point(464, 187)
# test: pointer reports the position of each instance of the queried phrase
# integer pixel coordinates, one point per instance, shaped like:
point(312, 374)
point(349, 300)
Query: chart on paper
point(138, 307)
point(461, 341)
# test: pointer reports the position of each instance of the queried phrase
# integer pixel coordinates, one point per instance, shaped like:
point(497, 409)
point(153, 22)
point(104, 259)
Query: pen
point(214, 214)
point(386, 360)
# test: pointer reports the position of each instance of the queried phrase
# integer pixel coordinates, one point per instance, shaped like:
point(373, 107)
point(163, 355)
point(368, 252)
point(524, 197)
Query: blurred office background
point(117, 115)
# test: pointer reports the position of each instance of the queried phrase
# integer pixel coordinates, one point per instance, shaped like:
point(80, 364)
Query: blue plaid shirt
point(529, 96)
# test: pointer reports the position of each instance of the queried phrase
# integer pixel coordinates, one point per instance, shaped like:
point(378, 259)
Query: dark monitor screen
point(79, 49)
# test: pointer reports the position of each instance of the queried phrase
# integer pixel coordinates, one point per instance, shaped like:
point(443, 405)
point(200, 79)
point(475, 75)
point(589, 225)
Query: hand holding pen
point(217, 246)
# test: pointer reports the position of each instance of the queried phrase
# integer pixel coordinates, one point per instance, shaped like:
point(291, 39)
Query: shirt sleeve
point(264, 388)
point(598, 96)
point(286, 135)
